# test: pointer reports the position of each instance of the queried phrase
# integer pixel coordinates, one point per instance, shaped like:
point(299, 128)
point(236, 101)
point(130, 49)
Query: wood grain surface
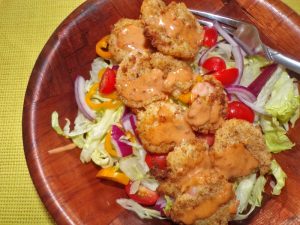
point(69, 188)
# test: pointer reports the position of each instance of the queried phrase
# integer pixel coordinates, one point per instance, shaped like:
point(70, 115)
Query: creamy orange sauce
point(181, 75)
point(169, 129)
point(132, 37)
point(176, 28)
point(234, 161)
point(201, 112)
point(208, 207)
point(144, 87)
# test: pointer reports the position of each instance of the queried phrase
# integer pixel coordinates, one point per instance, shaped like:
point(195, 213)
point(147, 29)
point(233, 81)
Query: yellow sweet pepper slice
point(106, 105)
point(185, 98)
point(111, 173)
point(108, 146)
point(102, 48)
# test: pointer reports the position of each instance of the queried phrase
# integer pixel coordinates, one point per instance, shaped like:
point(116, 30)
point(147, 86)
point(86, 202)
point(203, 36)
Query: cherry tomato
point(156, 161)
point(209, 138)
point(228, 76)
point(239, 110)
point(108, 81)
point(143, 196)
point(210, 36)
point(214, 63)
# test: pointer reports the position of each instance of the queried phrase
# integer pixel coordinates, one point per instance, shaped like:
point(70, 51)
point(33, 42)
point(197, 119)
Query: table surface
point(25, 26)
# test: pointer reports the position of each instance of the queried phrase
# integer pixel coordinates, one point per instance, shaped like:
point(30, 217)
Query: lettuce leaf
point(277, 141)
point(252, 68)
point(142, 212)
point(134, 167)
point(275, 135)
point(256, 194)
point(95, 135)
point(243, 193)
point(283, 102)
point(249, 192)
point(55, 124)
point(280, 177)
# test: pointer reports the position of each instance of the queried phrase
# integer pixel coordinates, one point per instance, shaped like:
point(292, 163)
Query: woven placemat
point(25, 27)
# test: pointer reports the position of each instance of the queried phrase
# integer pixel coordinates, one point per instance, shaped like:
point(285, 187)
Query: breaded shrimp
point(126, 36)
point(172, 29)
point(162, 126)
point(209, 106)
point(145, 78)
point(193, 183)
point(237, 131)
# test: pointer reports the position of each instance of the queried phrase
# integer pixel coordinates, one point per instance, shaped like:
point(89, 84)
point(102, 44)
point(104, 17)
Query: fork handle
point(288, 62)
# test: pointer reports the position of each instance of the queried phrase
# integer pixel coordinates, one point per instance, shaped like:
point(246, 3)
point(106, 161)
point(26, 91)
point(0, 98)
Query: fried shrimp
point(145, 78)
point(201, 194)
point(173, 30)
point(126, 36)
point(209, 106)
point(162, 126)
point(239, 132)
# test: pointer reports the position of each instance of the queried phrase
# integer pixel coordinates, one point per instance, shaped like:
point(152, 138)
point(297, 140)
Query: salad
point(183, 117)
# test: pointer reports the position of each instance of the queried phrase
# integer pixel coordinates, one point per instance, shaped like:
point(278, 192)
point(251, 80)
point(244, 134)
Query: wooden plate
point(68, 188)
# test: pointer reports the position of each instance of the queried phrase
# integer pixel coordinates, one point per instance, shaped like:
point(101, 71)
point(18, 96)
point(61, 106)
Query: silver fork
point(247, 35)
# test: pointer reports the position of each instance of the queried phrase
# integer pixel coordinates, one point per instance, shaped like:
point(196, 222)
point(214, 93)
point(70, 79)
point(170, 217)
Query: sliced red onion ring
point(239, 62)
point(121, 148)
point(256, 86)
point(236, 50)
point(129, 123)
point(80, 99)
point(160, 205)
point(205, 53)
point(115, 67)
point(241, 92)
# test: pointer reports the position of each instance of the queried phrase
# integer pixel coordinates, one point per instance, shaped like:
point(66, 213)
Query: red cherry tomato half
point(228, 76)
point(210, 36)
point(108, 81)
point(209, 138)
point(155, 161)
point(239, 110)
point(214, 63)
point(143, 196)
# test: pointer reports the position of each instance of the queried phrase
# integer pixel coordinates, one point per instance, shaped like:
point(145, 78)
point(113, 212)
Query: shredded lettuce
point(275, 135)
point(150, 183)
point(283, 102)
point(277, 141)
point(252, 69)
point(98, 131)
point(243, 193)
point(249, 192)
point(169, 203)
point(280, 177)
point(296, 115)
point(55, 123)
point(101, 158)
point(97, 65)
point(142, 212)
point(256, 194)
point(134, 167)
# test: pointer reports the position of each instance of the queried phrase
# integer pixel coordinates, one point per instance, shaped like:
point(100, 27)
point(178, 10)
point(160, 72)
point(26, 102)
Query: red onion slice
point(121, 148)
point(129, 124)
point(241, 92)
point(80, 99)
point(236, 50)
point(256, 86)
point(160, 205)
